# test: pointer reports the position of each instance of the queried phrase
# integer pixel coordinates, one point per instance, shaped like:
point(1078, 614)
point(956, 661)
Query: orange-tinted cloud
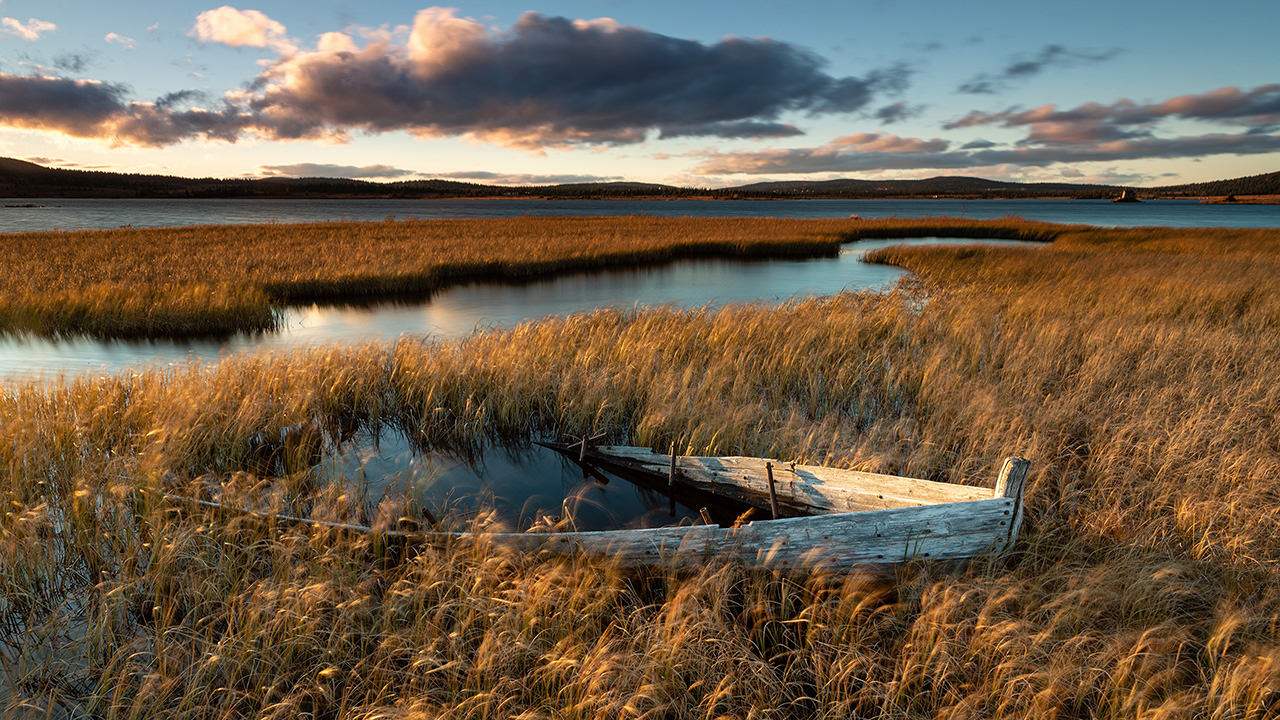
point(240, 28)
point(29, 31)
point(1259, 106)
point(874, 153)
point(326, 170)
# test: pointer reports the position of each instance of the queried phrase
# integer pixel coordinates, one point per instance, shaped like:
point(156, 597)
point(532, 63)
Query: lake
point(462, 309)
point(88, 214)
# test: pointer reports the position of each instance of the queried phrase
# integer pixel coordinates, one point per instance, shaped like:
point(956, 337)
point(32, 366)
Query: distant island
point(22, 179)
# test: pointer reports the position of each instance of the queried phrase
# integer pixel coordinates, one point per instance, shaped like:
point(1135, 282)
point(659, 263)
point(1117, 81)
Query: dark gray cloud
point(551, 80)
point(897, 111)
point(180, 97)
point(978, 144)
point(844, 157)
point(548, 81)
point(742, 129)
point(324, 170)
point(83, 108)
point(76, 107)
point(72, 62)
point(1049, 56)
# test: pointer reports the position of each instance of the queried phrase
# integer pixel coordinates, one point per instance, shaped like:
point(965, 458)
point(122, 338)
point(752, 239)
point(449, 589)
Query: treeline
point(21, 179)
point(1265, 184)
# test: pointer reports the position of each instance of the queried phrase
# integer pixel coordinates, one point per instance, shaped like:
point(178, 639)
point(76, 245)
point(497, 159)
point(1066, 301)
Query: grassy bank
point(1135, 368)
point(211, 280)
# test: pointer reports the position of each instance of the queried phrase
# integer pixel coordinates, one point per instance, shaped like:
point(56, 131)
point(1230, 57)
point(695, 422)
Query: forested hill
point(22, 179)
point(1265, 184)
point(946, 186)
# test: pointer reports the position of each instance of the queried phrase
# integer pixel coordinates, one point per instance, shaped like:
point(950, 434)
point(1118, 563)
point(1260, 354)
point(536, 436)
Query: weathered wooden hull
point(853, 518)
point(844, 517)
point(875, 537)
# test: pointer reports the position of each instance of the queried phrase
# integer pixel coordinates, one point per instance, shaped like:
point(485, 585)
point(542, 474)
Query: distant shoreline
point(1241, 200)
point(26, 201)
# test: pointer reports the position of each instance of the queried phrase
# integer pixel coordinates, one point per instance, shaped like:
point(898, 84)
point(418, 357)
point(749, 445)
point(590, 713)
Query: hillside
point(1265, 184)
point(948, 186)
point(22, 179)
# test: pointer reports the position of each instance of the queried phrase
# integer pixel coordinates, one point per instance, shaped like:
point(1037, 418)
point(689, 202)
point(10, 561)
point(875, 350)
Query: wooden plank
point(1009, 485)
point(942, 531)
point(953, 530)
point(801, 488)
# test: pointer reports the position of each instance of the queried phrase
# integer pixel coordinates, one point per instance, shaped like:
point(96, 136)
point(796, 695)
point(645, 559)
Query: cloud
point(523, 178)
point(1049, 56)
point(1259, 106)
point(545, 82)
point(126, 42)
point(323, 170)
point(876, 142)
point(897, 111)
point(30, 31)
point(90, 109)
point(551, 81)
point(71, 62)
point(742, 129)
point(870, 152)
point(241, 28)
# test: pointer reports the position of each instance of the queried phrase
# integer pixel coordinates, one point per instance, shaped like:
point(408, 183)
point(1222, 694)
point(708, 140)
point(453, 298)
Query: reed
point(1135, 368)
point(170, 282)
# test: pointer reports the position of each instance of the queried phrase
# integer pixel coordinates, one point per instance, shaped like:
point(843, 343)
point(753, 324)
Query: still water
point(520, 486)
point(88, 214)
point(460, 310)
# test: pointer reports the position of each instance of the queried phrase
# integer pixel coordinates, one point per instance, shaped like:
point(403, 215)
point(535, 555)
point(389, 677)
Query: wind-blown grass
point(211, 280)
point(1135, 369)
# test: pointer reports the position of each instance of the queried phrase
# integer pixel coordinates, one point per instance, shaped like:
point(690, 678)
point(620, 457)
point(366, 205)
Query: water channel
point(460, 310)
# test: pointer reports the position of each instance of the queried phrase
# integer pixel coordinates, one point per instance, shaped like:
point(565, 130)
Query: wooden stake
point(773, 494)
point(426, 514)
point(671, 475)
point(582, 451)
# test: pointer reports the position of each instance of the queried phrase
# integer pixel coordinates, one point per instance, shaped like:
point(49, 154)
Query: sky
point(701, 94)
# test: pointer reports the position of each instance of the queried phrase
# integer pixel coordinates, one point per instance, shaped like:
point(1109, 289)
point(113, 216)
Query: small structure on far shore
point(1127, 195)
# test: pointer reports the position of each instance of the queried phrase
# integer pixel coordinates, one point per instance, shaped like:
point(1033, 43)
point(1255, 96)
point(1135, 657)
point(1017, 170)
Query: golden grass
point(1135, 368)
point(221, 279)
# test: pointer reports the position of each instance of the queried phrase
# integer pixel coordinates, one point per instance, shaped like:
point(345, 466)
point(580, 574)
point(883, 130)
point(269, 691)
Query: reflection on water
point(460, 310)
point(519, 485)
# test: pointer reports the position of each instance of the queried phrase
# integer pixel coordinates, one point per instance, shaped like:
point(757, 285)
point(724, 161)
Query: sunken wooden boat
point(821, 515)
point(814, 516)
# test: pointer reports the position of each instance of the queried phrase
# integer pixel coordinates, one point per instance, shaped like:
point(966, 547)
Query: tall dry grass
point(1136, 369)
point(209, 280)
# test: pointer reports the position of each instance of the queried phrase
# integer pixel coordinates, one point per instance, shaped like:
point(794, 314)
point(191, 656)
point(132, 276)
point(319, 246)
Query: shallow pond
point(521, 486)
point(460, 310)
